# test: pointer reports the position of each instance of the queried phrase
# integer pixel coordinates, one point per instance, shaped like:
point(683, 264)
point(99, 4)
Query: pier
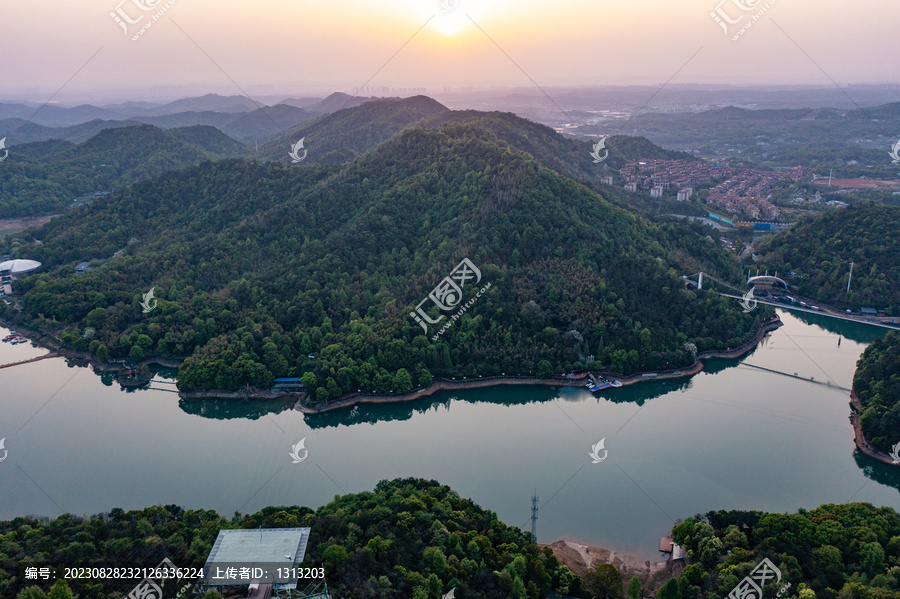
point(38, 359)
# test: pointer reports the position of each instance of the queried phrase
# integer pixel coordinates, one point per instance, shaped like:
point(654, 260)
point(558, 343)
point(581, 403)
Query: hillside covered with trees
point(877, 385)
point(351, 132)
point(413, 538)
point(409, 538)
point(819, 252)
point(46, 177)
point(255, 267)
point(849, 551)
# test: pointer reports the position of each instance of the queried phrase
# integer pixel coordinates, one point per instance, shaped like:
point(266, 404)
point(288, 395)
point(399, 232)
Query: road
point(823, 311)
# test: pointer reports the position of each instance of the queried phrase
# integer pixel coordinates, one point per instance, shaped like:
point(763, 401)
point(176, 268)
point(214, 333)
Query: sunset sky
point(315, 46)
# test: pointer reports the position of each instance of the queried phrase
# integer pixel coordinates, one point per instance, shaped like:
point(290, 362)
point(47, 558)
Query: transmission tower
point(534, 517)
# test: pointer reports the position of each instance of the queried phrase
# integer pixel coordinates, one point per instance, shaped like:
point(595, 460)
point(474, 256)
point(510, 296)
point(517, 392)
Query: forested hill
point(45, 177)
point(416, 538)
point(407, 538)
point(877, 385)
point(343, 135)
point(819, 252)
point(257, 266)
point(563, 153)
point(831, 552)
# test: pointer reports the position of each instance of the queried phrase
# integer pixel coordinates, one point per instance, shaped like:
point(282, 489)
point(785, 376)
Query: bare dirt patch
point(22, 223)
point(579, 558)
point(860, 183)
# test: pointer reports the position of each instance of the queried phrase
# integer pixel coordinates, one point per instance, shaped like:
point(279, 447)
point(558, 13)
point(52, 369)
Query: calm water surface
point(732, 437)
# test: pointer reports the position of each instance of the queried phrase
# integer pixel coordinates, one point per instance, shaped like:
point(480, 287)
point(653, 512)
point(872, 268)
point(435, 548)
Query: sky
point(77, 50)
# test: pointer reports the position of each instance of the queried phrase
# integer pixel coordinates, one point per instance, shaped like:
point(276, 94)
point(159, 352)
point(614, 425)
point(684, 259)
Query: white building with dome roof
point(14, 269)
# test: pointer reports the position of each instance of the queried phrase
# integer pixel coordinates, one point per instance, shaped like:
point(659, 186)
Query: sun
point(450, 22)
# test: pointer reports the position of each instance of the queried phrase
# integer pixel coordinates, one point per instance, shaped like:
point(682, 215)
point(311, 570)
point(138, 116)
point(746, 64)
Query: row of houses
point(674, 174)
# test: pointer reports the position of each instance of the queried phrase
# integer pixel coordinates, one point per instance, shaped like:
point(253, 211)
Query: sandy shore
point(580, 557)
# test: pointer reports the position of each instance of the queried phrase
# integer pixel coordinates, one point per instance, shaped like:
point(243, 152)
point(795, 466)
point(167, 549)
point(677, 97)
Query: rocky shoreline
point(860, 439)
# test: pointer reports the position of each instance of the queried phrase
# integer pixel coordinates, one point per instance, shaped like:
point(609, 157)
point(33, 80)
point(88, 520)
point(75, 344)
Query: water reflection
point(886, 474)
point(373, 413)
point(731, 437)
point(861, 333)
point(232, 409)
point(507, 395)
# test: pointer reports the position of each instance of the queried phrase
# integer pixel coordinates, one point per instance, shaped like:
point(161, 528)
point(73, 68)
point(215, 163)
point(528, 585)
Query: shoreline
point(48, 341)
point(860, 439)
point(437, 385)
point(559, 380)
point(580, 556)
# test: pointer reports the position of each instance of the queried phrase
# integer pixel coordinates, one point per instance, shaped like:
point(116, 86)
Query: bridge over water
point(828, 384)
point(29, 361)
point(831, 314)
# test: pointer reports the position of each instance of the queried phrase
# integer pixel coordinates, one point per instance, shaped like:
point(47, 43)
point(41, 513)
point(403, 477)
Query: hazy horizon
point(282, 47)
point(268, 97)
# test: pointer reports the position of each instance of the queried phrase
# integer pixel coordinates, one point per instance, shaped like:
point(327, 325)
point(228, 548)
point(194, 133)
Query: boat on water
point(601, 384)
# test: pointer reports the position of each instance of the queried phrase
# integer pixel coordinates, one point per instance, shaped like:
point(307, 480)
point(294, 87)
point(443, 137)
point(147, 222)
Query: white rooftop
point(20, 266)
point(269, 548)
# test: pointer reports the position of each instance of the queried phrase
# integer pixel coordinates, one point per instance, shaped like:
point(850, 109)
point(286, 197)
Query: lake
point(732, 437)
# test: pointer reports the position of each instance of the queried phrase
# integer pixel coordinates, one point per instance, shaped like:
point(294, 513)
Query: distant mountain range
point(46, 176)
point(854, 142)
point(236, 116)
